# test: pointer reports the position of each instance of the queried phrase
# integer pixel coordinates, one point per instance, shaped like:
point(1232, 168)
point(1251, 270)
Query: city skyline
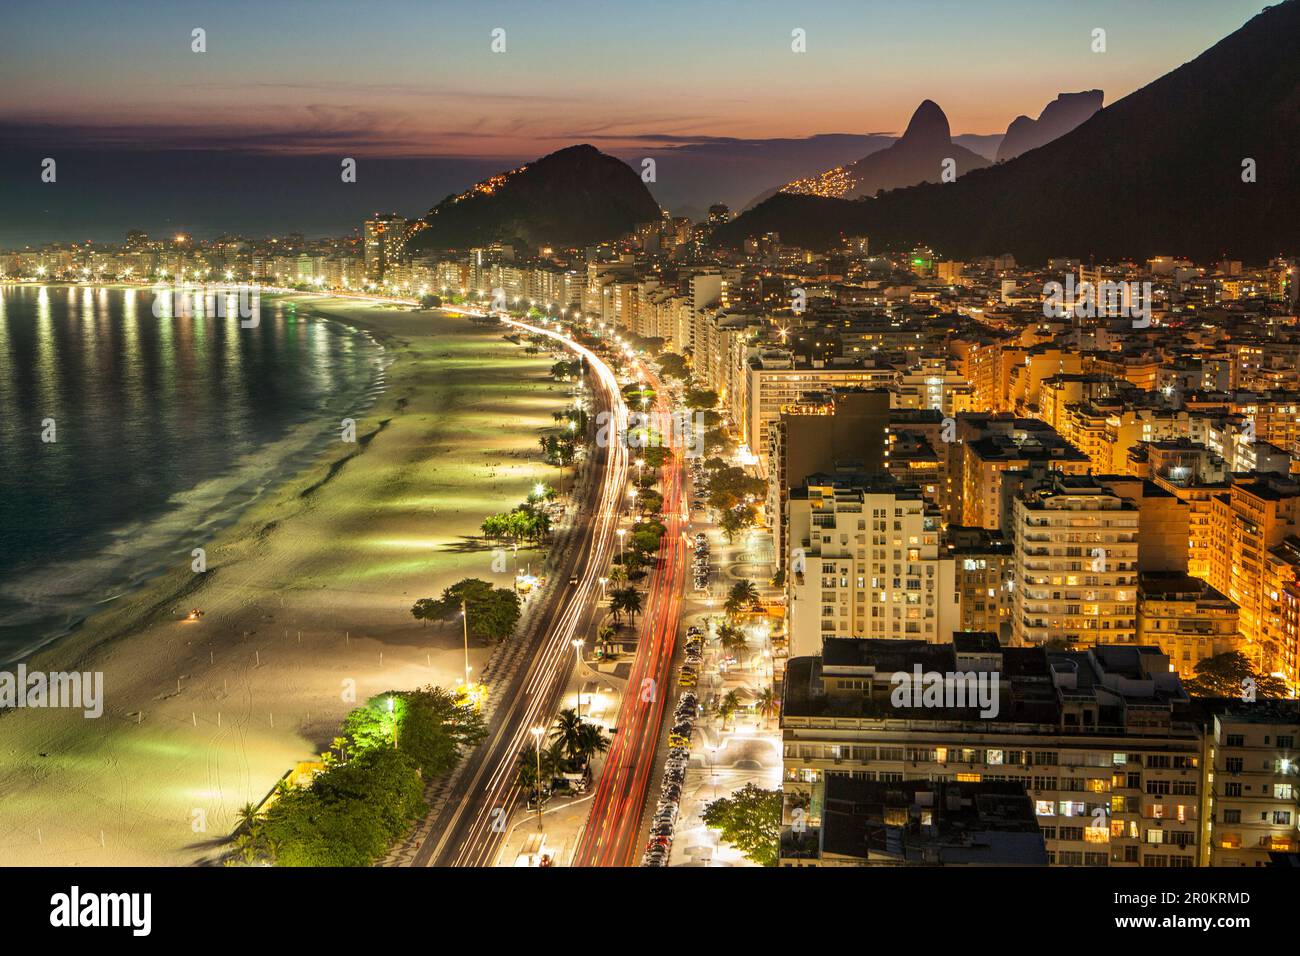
point(154, 131)
point(665, 435)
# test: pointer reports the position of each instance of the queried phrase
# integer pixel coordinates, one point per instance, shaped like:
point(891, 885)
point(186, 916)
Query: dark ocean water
point(167, 422)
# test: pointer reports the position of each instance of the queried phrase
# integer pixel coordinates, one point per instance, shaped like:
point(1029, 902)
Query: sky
point(116, 89)
point(420, 78)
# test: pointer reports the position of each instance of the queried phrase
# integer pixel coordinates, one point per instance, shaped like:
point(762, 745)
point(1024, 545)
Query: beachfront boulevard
point(614, 829)
point(469, 821)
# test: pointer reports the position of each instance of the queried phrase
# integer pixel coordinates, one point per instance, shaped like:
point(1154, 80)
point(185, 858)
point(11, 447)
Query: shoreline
point(237, 491)
point(306, 597)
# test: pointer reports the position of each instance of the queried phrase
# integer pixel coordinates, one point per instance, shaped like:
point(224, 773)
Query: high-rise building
point(822, 433)
point(385, 238)
point(1076, 547)
point(1114, 770)
point(1255, 515)
point(1254, 795)
point(865, 561)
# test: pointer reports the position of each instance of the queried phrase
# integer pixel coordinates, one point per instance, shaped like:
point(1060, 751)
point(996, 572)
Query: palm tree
point(526, 775)
point(568, 732)
point(625, 599)
point(742, 596)
point(729, 705)
point(731, 638)
point(247, 816)
point(618, 574)
point(591, 741)
point(765, 702)
point(632, 602)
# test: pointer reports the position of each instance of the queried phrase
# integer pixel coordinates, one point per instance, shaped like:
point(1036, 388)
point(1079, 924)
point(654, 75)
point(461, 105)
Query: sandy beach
point(310, 590)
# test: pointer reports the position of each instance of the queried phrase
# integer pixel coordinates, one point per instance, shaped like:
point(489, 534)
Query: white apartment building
point(865, 562)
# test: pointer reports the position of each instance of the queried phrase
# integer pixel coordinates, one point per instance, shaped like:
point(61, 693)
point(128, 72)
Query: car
point(694, 631)
point(678, 740)
point(688, 680)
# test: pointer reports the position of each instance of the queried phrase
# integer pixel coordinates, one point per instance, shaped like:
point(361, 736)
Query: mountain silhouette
point(1165, 170)
point(918, 156)
point(1060, 116)
point(576, 196)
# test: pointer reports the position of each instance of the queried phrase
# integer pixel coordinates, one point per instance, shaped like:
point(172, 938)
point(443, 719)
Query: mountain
point(1158, 172)
point(1060, 116)
point(693, 176)
point(574, 197)
point(918, 156)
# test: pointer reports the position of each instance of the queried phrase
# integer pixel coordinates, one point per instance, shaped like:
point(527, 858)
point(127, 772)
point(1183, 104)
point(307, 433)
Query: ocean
point(133, 430)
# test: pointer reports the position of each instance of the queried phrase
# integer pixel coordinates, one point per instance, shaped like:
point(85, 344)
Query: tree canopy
point(750, 820)
point(493, 612)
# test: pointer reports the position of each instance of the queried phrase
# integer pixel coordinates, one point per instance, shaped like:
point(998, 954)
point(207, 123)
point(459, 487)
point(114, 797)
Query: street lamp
point(393, 717)
point(537, 733)
point(602, 582)
point(577, 643)
point(620, 532)
point(464, 617)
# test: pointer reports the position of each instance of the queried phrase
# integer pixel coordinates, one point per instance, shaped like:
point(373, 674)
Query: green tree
point(750, 820)
point(731, 638)
point(765, 702)
point(729, 704)
point(1224, 675)
point(673, 365)
point(701, 398)
point(591, 741)
point(493, 612)
point(736, 520)
point(567, 730)
point(625, 601)
point(743, 596)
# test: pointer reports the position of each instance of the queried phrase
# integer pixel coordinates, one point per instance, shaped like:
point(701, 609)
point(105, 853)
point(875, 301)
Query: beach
point(306, 611)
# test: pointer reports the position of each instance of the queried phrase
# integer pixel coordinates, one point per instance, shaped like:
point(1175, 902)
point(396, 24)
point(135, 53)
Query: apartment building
point(993, 444)
point(1186, 618)
point(865, 561)
point(823, 433)
point(775, 379)
point(1076, 544)
point(1254, 791)
point(1096, 739)
point(984, 575)
point(1255, 515)
point(918, 823)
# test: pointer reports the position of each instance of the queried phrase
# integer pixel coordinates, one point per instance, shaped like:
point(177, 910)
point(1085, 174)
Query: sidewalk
point(748, 750)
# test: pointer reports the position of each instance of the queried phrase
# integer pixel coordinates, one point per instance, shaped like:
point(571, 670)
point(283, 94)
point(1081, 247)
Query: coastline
point(142, 548)
point(306, 594)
